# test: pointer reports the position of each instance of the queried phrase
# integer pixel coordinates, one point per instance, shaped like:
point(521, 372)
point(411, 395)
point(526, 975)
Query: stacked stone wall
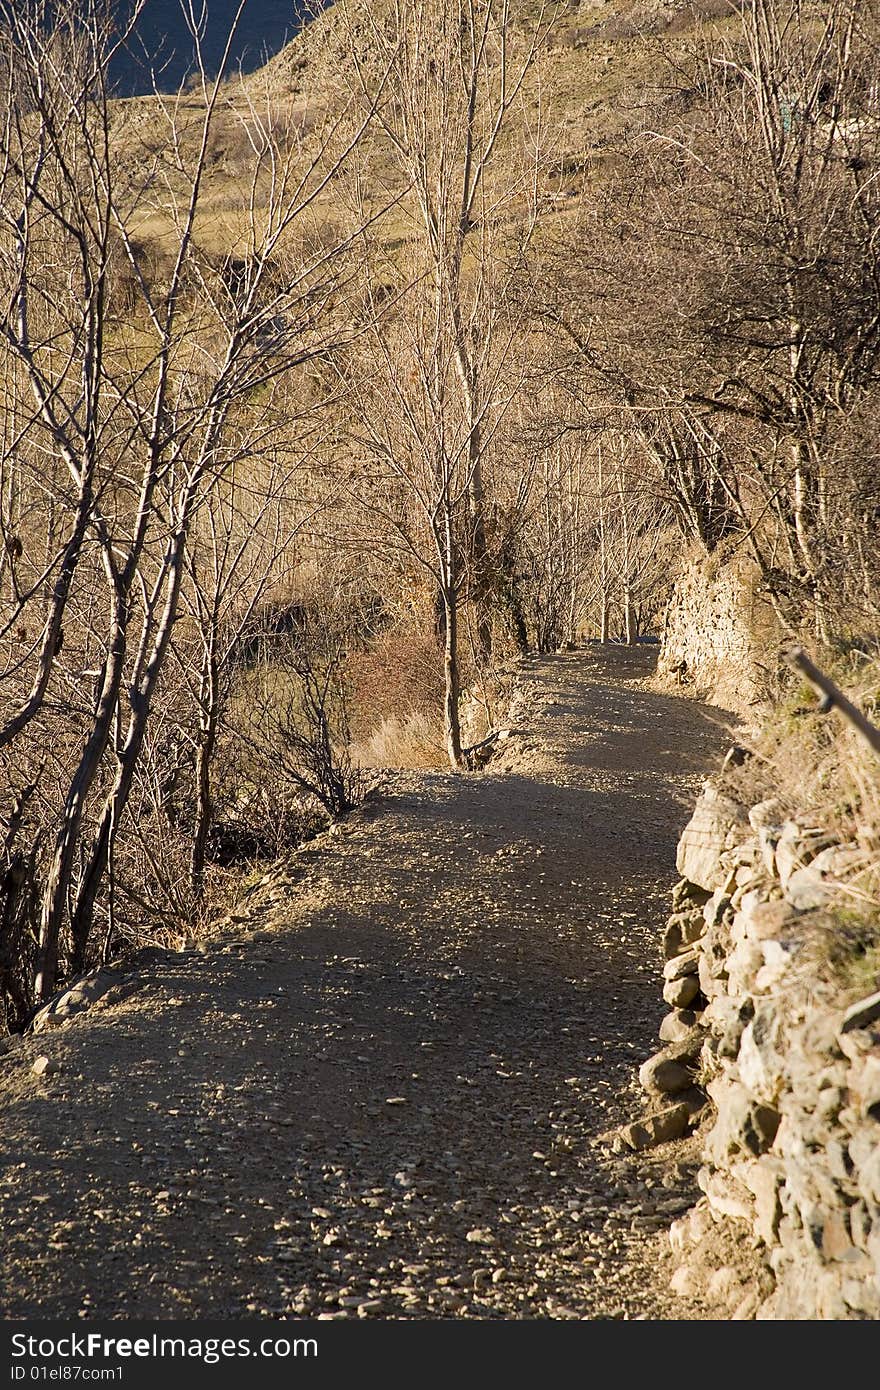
point(718, 630)
point(785, 1056)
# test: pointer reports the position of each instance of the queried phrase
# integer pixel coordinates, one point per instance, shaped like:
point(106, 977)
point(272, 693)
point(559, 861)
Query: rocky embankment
point(788, 1056)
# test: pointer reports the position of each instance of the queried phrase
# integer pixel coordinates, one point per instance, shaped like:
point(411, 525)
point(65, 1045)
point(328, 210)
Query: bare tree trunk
point(208, 725)
point(603, 554)
point(628, 616)
point(58, 880)
point(480, 561)
point(452, 686)
point(53, 629)
point(626, 560)
point(141, 697)
point(451, 674)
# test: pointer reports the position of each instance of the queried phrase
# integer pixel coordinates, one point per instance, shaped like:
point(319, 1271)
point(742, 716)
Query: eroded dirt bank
point(378, 1097)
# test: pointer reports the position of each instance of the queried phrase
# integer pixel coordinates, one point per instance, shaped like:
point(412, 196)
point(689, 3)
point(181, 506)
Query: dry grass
point(815, 764)
point(592, 83)
point(413, 740)
point(824, 775)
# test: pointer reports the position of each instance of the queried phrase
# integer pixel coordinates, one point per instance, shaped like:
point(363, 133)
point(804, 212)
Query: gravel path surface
point(377, 1091)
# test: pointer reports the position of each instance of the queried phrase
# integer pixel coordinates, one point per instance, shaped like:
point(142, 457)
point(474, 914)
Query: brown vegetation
point(327, 391)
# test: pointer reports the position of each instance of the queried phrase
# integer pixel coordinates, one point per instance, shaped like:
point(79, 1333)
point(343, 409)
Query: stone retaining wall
point(717, 631)
point(788, 1055)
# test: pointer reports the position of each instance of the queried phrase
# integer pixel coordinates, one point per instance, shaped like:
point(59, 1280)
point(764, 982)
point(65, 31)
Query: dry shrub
point(822, 772)
point(702, 11)
point(125, 288)
point(400, 675)
point(824, 775)
point(487, 699)
point(412, 740)
point(816, 764)
point(573, 38)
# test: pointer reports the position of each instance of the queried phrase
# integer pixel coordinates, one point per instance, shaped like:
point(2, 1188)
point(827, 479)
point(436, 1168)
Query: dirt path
point(379, 1099)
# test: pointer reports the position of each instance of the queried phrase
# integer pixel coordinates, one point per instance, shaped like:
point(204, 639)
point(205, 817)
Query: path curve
point(380, 1098)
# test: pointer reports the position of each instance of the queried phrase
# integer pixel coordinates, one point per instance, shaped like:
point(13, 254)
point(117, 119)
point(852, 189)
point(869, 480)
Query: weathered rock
point(860, 1224)
point(677, 1025)
point(480, 1235)
point(793, 850)
point(686, 895)
point(746, 1309)
point(693, 1229)
point(743, 963)
point(861, 1294)
point(694, 1098)
point(793, 1154)
point(745, 858)
point(807, 845)
point(710, 985)
point(749, 879)
point(836, 1242)
point(725, 1286)
point(670, 1070)
point(856, 1044)
point(727, 1017)
point(862, 1014)
point(719, 905)
point(45, 1019)
point(810, 1195)
point(759, 920)
point(764, 1180)
point(117, 994)
point(685, 964)
point(679, 994)
point(660, 1128)
point(714, 950)
point(767, 813)
point(686, 1282)
point(682, 930)
point(808, 889)
point(869, 1173)
point(664, 1076)
point(45, 1066)
point(779, 956)
point(816, 884)
point(679, 1235)
point(726, 1195)
point(76, 998)
point(766, 819)
point(742, 1124)
point(716, 825)
point(761, 1065)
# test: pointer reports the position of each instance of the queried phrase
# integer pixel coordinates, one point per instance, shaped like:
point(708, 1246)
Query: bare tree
point(239, 584)
point(441, 376)
point(723, 293)
point(299, 719)
point(127, 411)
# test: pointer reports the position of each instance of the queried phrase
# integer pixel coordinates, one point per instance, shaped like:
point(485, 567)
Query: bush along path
point(378, 1089)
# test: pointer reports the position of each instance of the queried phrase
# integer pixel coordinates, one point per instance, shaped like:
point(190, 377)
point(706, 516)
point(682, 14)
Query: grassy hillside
point(603, 64)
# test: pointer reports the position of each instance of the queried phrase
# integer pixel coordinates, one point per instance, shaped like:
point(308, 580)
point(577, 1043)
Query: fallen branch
point(483, 743)
point(484, 746)
point(832, 697)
